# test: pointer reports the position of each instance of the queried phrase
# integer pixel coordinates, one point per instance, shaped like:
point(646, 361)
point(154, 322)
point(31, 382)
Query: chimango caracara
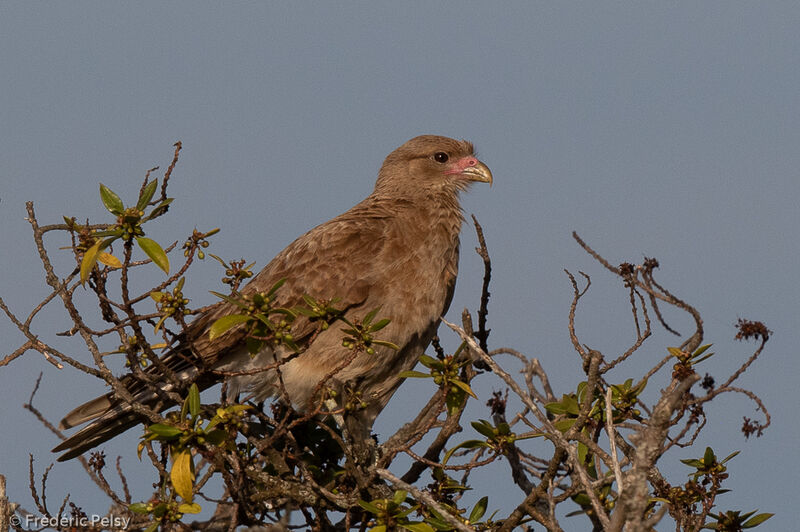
point(397, 250)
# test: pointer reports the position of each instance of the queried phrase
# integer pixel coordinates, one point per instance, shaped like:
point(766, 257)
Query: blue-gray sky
point(666, 130)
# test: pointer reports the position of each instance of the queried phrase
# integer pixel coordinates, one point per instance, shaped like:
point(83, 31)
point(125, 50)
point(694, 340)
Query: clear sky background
point(666, 130)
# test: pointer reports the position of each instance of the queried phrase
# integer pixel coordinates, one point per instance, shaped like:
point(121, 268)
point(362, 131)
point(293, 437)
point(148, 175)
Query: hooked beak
point(478, 172)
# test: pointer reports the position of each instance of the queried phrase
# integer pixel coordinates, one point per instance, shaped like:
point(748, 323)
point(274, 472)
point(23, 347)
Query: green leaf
point(485, 428)
point(215, 437)
point(111, 200)
point(193, 400)
point(368, 506)
point(153, 526)
point(702, 349)
point(386, 344)
point(417, 527)
point(158, 210)
point(708, 457)
point(756, 520)
point(229, 299)
point(453, 402)
point(380, 325)
point(464, 386)
point(469, 444)
point(182, 474)
point(674, 351)
point(430, 362)
point(555, 408)
point(399, 496)
point(91, 255)
point(110, 232)
point(439, 524)
point(564, 425)
point(697, 361)
point(224, 323)
point(370, 316)
point(138, 508)
point(730, 456)
point(154, 251)
point(414, 374)
point(164, 431)
point(379, 528)
point(275, 287)
point(478, 510)
point(89, 260)
point(147, 195)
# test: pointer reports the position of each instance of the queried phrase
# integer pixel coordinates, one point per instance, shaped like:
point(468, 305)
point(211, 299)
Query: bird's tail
point(110, 416)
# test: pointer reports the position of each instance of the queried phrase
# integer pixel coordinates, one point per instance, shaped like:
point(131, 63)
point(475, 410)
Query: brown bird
point(396, 251)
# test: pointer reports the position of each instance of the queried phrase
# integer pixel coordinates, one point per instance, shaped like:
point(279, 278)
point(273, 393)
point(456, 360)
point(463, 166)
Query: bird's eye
point(440, 157)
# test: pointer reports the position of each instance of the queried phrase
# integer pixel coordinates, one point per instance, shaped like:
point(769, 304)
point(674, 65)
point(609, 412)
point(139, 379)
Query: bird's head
point(429, 164)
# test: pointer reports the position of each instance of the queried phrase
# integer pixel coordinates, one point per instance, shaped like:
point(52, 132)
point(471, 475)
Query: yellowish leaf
point(109, 260)
point(182, 474)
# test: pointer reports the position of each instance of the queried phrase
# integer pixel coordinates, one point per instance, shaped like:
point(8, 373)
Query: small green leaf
point(417, 527)
point(430, 362)
point(439, 524)
point(147, 195)
point(155, 252)
point(275, 287)
point(564, 425)
point(469, 444)
point(454, 401)
point(138, 508)
point(478, 510)
point(708, 457)
point(485, 428)
point(464, 386)
point(555, 408)
point(91, 255)
point(729, 456)
point(229, 299)
point(111, 200)
point(193, 400)
point(368, 506)
point(215, 437)
point(414, 374)
point(387, 344)
point(370, 316)
point(226, 322)
point(756, 520)
point(399, 496)
point(702, 349)
point(89, 260)
point(380, 325)
point(158, 210)
point(164, 431)
point(152, 527)
point(111, 232)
